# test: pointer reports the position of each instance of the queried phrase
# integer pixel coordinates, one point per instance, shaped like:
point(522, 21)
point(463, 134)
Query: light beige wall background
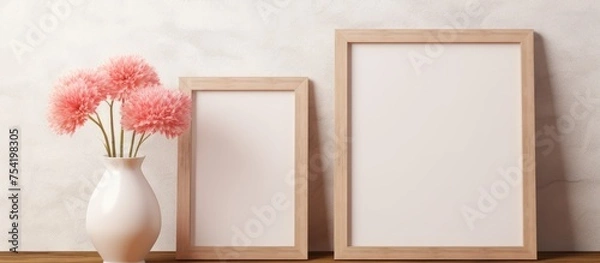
point(40, 40)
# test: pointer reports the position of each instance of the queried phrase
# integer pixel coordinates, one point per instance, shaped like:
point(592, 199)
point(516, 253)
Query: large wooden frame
point(296, 246)
point(428, 43)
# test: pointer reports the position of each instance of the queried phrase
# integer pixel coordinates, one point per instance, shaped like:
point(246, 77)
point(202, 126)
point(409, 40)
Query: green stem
point(131, 145)
point(98, 122)
point(122, 136)
point(107, 148)
point(112, 129)
point(142, 140)
point(106, 145)
point(122, 139)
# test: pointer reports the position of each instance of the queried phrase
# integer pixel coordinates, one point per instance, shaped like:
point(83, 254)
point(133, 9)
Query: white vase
point(123, 216)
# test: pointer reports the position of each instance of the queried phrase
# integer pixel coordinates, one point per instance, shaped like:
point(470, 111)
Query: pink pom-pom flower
point(127, 74)
point(146, 107)
point(74, 97)
point(157, 110)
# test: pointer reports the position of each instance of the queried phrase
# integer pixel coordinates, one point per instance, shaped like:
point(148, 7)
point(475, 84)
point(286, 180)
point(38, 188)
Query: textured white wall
point(40, 40)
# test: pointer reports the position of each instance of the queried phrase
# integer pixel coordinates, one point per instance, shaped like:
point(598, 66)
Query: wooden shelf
point(321, 257)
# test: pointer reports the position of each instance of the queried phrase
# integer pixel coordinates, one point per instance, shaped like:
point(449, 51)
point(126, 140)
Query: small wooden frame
point(242, 184)
point(433, 127)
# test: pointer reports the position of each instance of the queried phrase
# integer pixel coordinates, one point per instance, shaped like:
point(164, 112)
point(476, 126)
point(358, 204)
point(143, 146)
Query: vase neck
point(118, 163)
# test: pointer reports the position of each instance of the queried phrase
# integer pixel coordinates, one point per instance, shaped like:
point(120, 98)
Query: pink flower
point(127, 74)
point(75, 97)
point(157, 110)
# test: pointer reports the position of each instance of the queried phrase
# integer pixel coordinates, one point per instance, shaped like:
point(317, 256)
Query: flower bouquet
point(146, 107)
point(123, 216)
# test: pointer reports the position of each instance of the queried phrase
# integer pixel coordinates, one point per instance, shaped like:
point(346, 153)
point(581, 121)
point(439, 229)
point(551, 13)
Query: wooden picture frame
point(398, 94)
point(244, 158)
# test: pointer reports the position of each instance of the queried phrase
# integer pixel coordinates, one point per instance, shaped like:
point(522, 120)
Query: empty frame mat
point(242, 165)
point(438, 160)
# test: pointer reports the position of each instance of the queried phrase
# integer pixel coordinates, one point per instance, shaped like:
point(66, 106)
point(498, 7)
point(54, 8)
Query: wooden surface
point(185, 248)
point(343, 39)
point(322, 257)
